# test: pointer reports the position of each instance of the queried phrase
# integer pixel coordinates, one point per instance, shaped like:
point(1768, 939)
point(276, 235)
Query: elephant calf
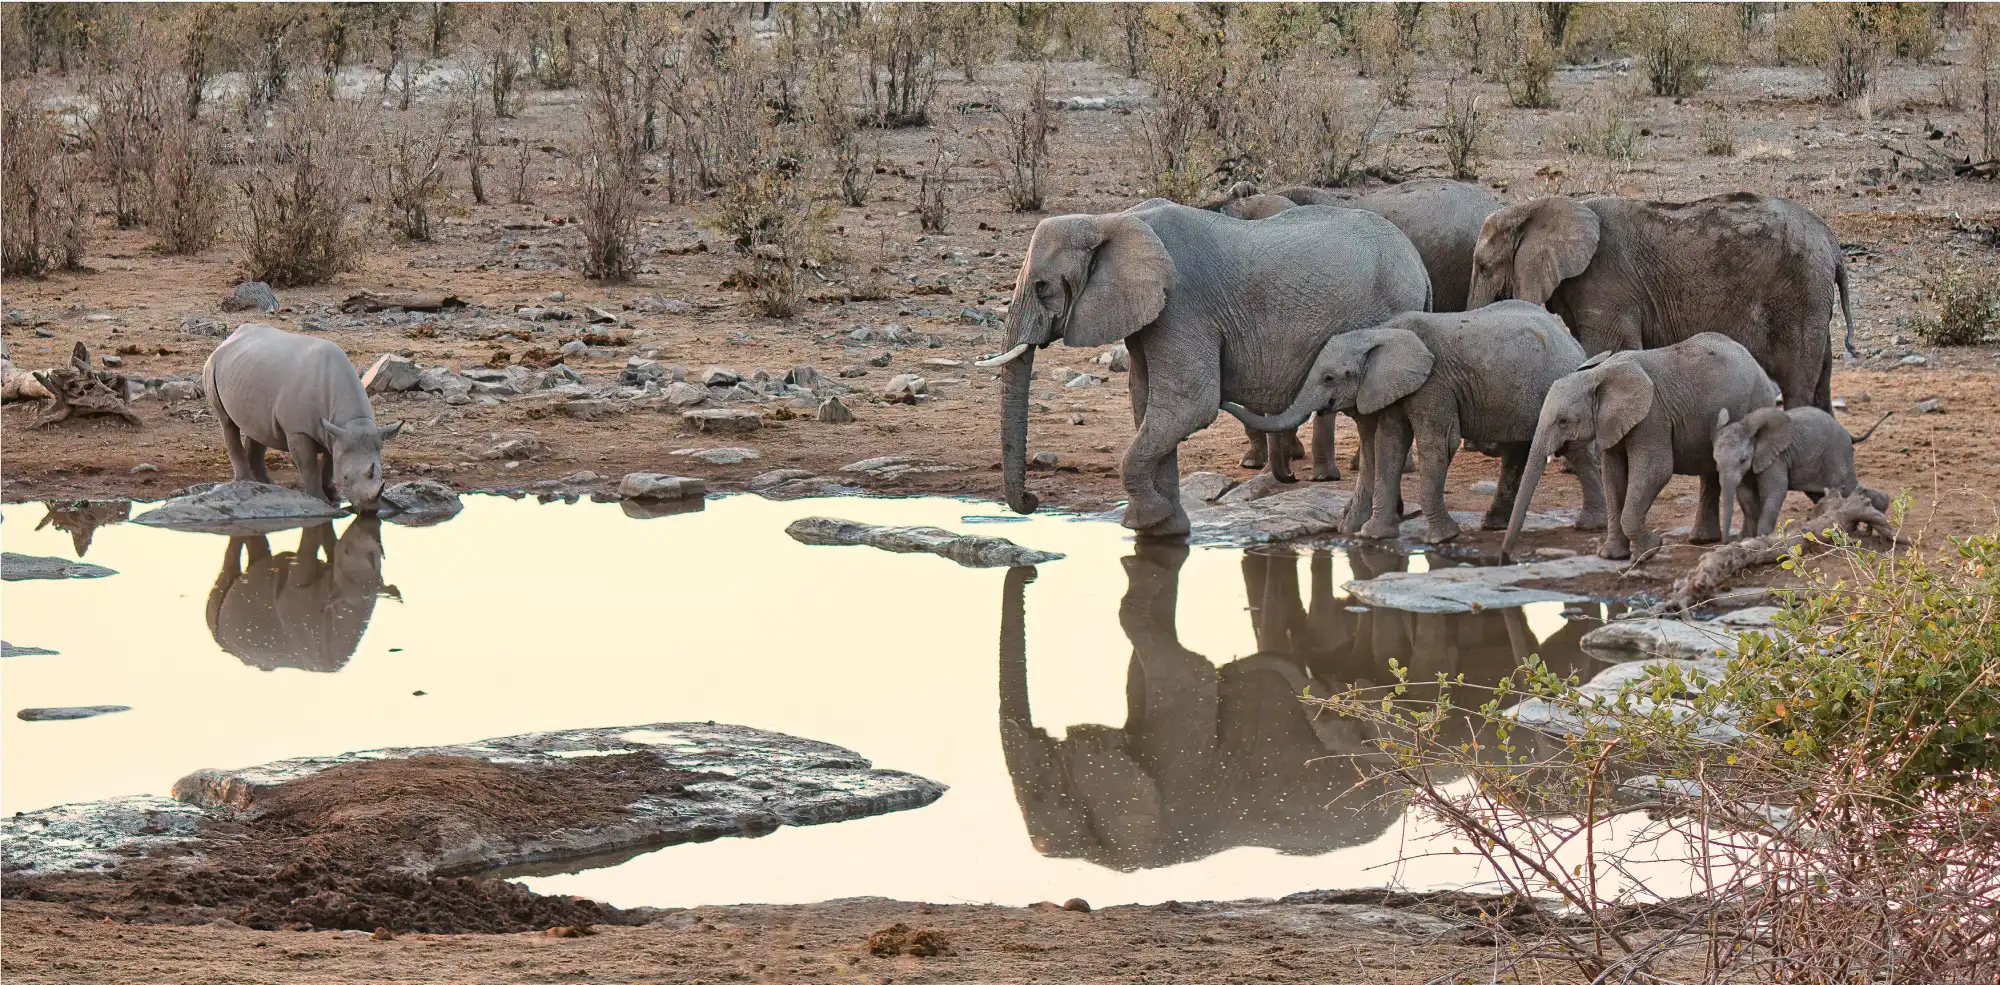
point(1430, 380)
point(1777, 451)
point(1652, 415)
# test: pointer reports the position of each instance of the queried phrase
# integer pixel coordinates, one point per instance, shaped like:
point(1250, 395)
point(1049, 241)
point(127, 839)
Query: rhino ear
point(331, 428)
point(1126, 288)
point(390, 431)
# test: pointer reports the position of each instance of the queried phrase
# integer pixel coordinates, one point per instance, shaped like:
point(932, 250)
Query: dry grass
point(43, 198)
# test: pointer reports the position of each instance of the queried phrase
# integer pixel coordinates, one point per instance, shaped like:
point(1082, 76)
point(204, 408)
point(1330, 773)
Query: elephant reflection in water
point(299, 609)
point(1212, 758)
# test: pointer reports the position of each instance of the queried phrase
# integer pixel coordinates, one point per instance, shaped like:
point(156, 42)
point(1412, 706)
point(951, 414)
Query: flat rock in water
point(68, 714)
point(420, 503)
point(10, 650)
point(970, 550)
point(240, 509)
point(1681, 639)
point(22, 567)
point(1469, 589)
point(1548, 716)
point(94, 836)
point(758, 781)
point(653, 485)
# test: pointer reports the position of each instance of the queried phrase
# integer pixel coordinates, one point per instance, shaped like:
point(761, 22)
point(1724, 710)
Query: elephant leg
point(1152, 462)
point(1646, 474)
point(1772, 484)
point(1614, 545)
point(1135, 380)
point(1325, 467)
point(1434, 452)
point(1708, 512)
point(253, 454)
point(1390, 447)
point(1583, 461)
point(1513, 459)
point(1750, 501)
point(232, 442)
point(1278, 451)
point(305, 454)
point(1258, 455)
point(1361, 505)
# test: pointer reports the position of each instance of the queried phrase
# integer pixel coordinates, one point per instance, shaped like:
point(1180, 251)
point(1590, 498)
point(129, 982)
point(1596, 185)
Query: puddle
point(1123, 728)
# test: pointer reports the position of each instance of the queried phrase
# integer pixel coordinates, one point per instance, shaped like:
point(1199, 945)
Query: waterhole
point(1121, 725)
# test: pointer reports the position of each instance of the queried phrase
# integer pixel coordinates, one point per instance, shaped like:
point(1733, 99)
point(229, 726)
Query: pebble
point(853, 372)
point(584, 478)
point(1930, 405)
point(1914, 360)
point(1077, 905)
point(862, 335)
point(906, 385)
point(113, 361)
point(879, 359)
point(1486, 487)
point(1118, 359)
point(721, 456)
point(1082, 380)
point(573, 348)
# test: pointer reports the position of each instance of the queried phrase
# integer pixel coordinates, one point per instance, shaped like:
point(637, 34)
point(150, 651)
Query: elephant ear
point(1554, 244)
point(1126, 287)
point(1773, 434)
point(1624, 396)
point(1397, 365)
point(1596, 359)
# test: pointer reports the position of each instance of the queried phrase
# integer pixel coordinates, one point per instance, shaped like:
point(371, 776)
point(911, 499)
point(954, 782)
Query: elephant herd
point(1626, 336)
point(1212, 758)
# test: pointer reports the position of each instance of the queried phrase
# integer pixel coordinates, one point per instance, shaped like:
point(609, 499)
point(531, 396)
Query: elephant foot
point(1711, 535)
point(1590, 518)
point(1253, 461)
point(1329, 474)
point(1614, 550)
point(1497, 519)
point(1156, 520)
point(1358, 511)
point(1380, 529)
point(1441, 530)
point(1645, 543)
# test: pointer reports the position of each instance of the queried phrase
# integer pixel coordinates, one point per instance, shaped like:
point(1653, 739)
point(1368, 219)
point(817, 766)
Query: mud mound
point(340, 850)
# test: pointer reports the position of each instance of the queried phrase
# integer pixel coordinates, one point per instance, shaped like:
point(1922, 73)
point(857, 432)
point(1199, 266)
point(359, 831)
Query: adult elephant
point(1628, 274)
point(1212, 308)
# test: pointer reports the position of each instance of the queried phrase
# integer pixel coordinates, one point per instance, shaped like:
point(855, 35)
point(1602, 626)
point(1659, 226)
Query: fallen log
point(19, 385)
point(1854, 515)
point(78, 389)
point(368, 302)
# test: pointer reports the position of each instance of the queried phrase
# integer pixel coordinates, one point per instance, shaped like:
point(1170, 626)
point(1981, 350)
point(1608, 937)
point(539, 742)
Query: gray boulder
point(252, 296)
point(969, 550)
point(776, 477)
point(654, 485)
point(1206, 487)
point(391, 374)
point(723, 420)
point(720, 376)
point(558, 375)
point(443, 381)
point(26, 567)
point(10, 650)
point(680, 395)
point(906, 386)
point(420, 502)
point(1601, 690)
point(638, 372)
point(1680, 639)
point(240, 509)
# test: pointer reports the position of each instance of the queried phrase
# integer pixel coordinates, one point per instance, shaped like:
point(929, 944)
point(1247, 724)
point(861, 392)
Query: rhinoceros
point(275, 389)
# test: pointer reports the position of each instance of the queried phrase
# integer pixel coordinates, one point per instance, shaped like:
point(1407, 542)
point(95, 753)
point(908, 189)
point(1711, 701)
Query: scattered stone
point(853, 372)
point(425, 500)
point(68, 714)
point(680, 395)
point(589, 409)
point(654, 304)
point(583, 478)
point(25, 567)
point(197, 325)
point(639, 372)
point(723, 420)
point(884, 463)
point(111, 361)
point(1472, 588)
point(1553, 553)
point(970, 550)
point(10, 650)
point(1117, 359)
point(1255, 488)
point(1840, 403)
point(879, 359)
point(142, 467)
point(942, 363)
point(1930, 405)
point(721, 456)
point(252, 296)
point(719, 376)
point(1077, 906)
point(1629, 639)
point(599, 316)
point(1485, 487)
point(805, 376)
point(898, 334)
point(573, 349)
point(777, 477)
point(1205, 487)
point(240, 509)
point(833, 411)
point(978, 316)
point(1558, 719)
point(513, 448)
point(1083, 380)
point(177, 390)
point(1045, 461)
point(653, 485)
point(558, 375)
point(1914, 360)
point(906, 386)
point(441, 380)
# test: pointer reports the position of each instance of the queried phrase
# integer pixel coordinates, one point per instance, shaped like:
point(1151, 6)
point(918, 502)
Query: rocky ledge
point(970, 550)
point(239, 509)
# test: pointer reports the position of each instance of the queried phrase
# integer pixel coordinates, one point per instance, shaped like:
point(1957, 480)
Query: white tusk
point(1003, 358)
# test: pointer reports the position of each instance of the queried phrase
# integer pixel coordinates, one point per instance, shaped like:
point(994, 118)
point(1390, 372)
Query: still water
point(1121, 725)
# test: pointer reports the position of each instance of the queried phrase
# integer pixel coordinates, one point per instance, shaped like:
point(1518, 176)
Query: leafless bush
point(1131, 21)
point(631, 49)
point(1718, 139)
point(1175, 131)
point(1528, 65)
point(1677, 43)
point(132, 84)
point(1331, 135)
point(1848, 43)
point(1387, 48)
point(184, 203)
point(524, 155)
point(1463, 129)
point(771, 212)
point(1980, 78)
point(899, 46)
point(1021, 150)
point(270, 39)
point(852, 154)
point(43, 199)
point(969, 32)
point(934, 189)
point(299, 193)
point(412, 172)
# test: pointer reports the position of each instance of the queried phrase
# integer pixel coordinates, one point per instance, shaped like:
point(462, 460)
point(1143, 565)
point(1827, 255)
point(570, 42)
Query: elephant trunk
point(1285, 420)
point(1531, 478)
point(1730, 482)
point(1014, 431)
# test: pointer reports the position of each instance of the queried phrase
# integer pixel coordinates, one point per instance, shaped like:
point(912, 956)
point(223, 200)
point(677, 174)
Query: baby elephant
point(274, 389)
point(1771, 452)
point(1431, 380)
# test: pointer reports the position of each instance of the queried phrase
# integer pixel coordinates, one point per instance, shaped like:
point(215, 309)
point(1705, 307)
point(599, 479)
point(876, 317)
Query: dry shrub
point(626, 75)
point(1916, 30)
point(1020, 151)
point(1678, 43)
point(43, 199)
point(184, 203)
point(1979, 79)
point(132, 83)
point(1130, 20)
point(1601, 127)
point(1463, 129)
point(1828, 793)
point(828, 106)
point(524, 157)
point(970, 33)
point(1967, 299)
point(934, 189)
point(1469, 30)
point(299, 194)
point(1718, 138)
point(1175, 131)
point(1386, 47)
point(771, 212)
point(1846, 42)
point(412, 172)
point(899, 46)
point(1527, 62)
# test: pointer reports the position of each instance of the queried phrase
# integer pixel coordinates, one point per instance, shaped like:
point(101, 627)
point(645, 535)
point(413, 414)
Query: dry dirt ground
point(1789, 144)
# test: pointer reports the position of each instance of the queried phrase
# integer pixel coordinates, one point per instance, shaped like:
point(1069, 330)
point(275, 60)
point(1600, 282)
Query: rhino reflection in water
point(299, 609)
point(1212, 758)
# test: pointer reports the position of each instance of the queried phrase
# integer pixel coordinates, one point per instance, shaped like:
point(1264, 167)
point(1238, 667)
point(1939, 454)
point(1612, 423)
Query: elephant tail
point(1872, 427)
point(1846, 313)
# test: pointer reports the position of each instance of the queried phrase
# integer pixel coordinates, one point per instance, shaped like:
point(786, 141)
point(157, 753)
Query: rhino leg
point(313, 480)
